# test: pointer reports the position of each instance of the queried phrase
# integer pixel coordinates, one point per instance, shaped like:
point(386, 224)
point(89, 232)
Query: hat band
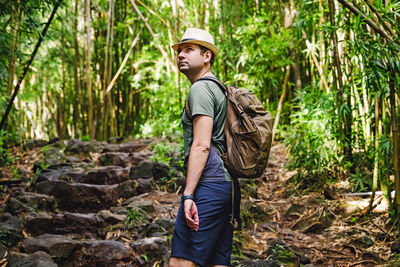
point(188, 39)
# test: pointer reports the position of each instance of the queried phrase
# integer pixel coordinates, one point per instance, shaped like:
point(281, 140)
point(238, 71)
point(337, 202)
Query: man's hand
point(191, 215)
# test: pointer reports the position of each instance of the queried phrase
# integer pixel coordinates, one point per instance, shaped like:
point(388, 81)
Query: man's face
point(190, 59)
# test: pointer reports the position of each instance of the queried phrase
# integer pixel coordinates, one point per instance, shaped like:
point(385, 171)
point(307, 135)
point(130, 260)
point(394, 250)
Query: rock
point(115, 139)
point(363, 242)
point(313, 224)
point(395, 247)
point(153, 247)
point(132, 147)
point(74, 175)
point(72, 159)
point(125, 147)
point(56, 245)
point(137, 202)
point(55, 175)
point(122, 159)
point(38, 223)
point(109, 217)
point(106, 175)
point(143, 186)
point(78, 197)
point(316, 228)
point(126, 189)
point(251, 212)
point(37, 201)
point(254, 263)
point(371, 255)
point(160, 170)
point(144, 170)
point(113, 158)
point(10, 230)
point(83, 147)
point(76, 223)
point(329, 193)
point(295, 211)
point(106, 252)
point(160, 227)
point(37, 259)
point(14, 206)
point(29, 145)
point(53, 159)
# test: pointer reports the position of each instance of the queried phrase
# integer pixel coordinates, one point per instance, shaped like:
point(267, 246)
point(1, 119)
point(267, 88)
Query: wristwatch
point(184, 197)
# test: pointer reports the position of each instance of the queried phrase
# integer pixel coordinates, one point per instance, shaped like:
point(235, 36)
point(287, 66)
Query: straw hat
point(197, 36)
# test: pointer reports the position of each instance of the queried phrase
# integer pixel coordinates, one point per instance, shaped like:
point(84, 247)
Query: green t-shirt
point(207, 98)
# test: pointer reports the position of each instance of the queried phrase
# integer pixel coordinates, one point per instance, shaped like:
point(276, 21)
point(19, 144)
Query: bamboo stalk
point(395, 136)
point(280, 103)
point(314, 58)
point(152, 34)
point(26, 68)
point(373, 25)
point(376, 157)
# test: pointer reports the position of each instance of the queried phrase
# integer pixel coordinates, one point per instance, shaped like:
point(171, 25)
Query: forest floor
point(286, 225)
point(326, 228)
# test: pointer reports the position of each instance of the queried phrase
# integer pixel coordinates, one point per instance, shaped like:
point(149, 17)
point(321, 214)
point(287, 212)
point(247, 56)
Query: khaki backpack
point(248, 132)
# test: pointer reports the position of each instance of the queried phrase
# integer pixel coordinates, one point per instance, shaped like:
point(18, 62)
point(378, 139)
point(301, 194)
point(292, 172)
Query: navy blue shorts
point(212, 243)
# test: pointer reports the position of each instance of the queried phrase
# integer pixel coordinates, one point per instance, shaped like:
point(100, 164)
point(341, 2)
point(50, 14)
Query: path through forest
point(325, 232)
point(282, 225)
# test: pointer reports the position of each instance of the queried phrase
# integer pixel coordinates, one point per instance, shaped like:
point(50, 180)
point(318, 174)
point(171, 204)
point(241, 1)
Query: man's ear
point(207, 56)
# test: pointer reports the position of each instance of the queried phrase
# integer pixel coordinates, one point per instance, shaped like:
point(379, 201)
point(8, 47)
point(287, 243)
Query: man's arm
point(198, 155)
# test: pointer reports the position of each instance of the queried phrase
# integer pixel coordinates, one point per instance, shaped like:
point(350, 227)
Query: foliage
point(263, 35)
point(5, 157)
point(160, 151)
point(312, 145)
point(135, 216)
point(281, 254)
point(323, 123)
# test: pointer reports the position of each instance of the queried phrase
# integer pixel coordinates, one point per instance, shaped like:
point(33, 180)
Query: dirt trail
point(282, 224)
point(320, 231)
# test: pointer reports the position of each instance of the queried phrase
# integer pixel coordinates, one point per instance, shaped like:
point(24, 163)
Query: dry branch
point(152, 34)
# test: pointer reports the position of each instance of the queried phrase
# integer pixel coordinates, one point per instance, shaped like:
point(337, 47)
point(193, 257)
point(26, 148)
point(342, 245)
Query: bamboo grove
point(327, 69)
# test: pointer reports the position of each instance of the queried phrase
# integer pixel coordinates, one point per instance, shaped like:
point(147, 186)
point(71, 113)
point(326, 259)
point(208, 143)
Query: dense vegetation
point(328, 70)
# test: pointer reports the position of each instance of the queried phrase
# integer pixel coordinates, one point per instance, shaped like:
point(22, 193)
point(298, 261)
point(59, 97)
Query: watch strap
point(184, 197)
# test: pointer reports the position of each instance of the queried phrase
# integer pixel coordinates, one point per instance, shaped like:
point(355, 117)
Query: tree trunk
point(89, 69)
point(376, 157)
point(395, 136)
point(27, 65)
point(17, 17)
point(338, 79)
point(77, 121)
point(280, 103)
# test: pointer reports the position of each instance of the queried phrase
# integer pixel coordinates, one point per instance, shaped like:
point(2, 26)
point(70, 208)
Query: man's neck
point(201, 74)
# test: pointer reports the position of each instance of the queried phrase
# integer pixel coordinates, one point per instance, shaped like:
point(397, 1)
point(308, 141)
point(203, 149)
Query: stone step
point(80, 253)
point(90, 198)
point(106, 175)
point(79, 197)
point(62, 223)
point(122, 159)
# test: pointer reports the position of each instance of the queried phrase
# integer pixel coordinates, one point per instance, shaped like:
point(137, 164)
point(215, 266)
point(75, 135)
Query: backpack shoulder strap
point(187, 108)
point(206, 78)
point(218, 82)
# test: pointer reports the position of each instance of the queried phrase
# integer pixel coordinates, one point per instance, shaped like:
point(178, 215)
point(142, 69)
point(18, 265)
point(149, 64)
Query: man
point(203, 231)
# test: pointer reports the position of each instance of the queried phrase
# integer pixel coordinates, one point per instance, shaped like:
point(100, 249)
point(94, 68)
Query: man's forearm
point(197, 160)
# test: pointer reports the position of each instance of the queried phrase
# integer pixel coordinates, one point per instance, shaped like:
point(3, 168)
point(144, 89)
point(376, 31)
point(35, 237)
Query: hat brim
point(208, 45)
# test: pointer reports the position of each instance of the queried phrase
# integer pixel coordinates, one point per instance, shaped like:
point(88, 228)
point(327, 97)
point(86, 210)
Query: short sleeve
point(201, 100)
